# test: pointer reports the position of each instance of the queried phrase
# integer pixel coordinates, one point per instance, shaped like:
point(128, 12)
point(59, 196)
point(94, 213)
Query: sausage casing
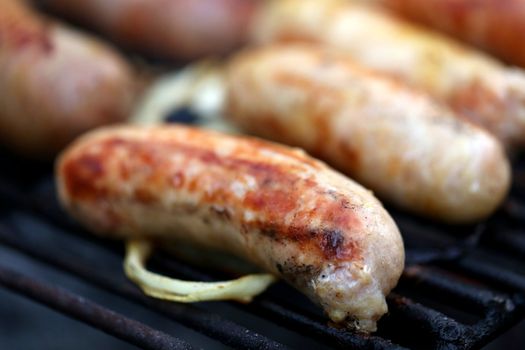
point(286, 212)
point(488, 24)
point(173, 29)
point(55, 83)
point(397, 142)
point(479, 88)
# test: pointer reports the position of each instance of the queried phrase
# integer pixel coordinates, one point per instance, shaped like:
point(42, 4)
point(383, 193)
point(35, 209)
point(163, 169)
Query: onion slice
point(161, 287)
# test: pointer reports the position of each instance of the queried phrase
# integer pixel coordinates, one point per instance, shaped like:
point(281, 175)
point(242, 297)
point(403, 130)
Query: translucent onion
point(243, 289)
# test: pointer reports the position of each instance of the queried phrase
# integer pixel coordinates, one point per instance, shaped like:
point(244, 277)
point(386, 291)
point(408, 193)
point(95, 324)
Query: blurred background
point(67, 67)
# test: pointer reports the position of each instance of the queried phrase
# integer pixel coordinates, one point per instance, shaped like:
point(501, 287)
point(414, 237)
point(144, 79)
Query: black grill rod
point(210, 324)
point(285, 316)
point(497, 320)
point(433, 322)
point(461, 294)
point(451, 252)
point(491, 274)
point(91, 313)
point(339, 338)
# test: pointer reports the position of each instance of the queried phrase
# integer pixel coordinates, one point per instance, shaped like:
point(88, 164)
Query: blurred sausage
point(474, 85)
point(173, 29)
point(55, 83)
point(275, 206)
point(395, 141)
point(495, 26)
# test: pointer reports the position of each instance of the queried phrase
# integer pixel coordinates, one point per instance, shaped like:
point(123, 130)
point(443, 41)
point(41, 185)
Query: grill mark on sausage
point(332, 243)
point(328, 243)
point(142, 157)
point(277, 192)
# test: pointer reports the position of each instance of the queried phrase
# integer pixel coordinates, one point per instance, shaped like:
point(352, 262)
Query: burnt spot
point(271, 232)
point(333, 194)
point(332, 243)
point(345, 204)
point(279, 267)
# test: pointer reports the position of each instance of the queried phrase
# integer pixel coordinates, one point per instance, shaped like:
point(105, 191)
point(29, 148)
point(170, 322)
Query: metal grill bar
point(434, 329)
point(91, 313)
point(267, 307)
point(207, 323)
point(515, 208)
point(491, 274)
point(409, 323)
point(457, 293)
point(429, 329)
point(511, 240)
point(320, 330)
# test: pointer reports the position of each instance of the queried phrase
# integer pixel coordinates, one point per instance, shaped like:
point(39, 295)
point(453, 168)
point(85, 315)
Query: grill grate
point(91, 313)
point(462, 287)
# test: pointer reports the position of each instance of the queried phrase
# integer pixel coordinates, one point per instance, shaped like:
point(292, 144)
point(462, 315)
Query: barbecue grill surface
point(462, 287)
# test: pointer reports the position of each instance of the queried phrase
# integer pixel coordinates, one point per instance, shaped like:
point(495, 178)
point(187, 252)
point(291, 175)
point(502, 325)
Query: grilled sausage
point(55, 83)
point(474, 85)
point(286, 212)
point(173, 29)
point(398, 142)
point(491, 25)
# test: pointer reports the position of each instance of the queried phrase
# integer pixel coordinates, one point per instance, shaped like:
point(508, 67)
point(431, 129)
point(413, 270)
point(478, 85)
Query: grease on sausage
point(411, 150)
point(477, 87)
point(273, 205)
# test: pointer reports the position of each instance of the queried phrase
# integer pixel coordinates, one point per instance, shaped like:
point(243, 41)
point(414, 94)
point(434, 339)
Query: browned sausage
point(55, 83)
point(175, 29)
point(492, 25)
point(479, 88)
point(286, 212)
point(396, 141)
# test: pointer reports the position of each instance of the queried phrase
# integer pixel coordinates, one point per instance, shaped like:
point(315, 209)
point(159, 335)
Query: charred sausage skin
point(396, 141)
point(275, 206)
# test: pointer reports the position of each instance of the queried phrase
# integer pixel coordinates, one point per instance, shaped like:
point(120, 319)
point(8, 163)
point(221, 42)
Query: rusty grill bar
point(462, 287)
point(89, 312)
